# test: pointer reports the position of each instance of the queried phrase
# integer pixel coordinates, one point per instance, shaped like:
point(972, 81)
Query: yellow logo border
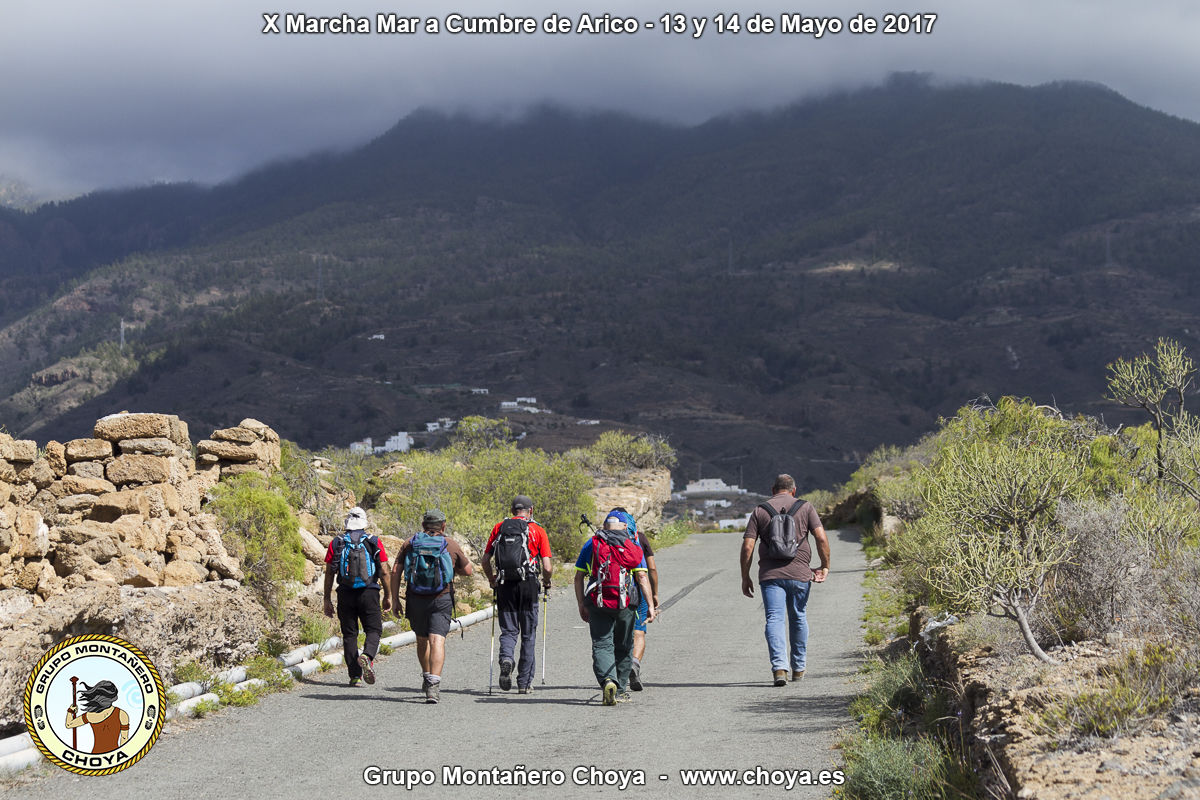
point(28, 702)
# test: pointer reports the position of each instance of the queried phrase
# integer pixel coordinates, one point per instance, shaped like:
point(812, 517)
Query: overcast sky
point(124, 92)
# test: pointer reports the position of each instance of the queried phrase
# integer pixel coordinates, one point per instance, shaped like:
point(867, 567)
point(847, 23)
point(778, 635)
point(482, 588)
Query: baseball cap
point(356, 519)
point(433, 516)
point(521, 501)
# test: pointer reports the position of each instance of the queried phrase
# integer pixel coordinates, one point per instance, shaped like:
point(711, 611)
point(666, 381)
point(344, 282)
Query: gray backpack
point(780, 540)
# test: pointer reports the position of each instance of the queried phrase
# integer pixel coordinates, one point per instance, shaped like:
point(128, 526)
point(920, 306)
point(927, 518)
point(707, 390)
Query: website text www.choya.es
point(585, 775)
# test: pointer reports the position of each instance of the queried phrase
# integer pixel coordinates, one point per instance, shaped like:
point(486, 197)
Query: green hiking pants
point(612, 644)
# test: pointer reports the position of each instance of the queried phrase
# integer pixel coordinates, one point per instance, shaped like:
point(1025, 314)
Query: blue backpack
point(356, 559)
point(428, 567)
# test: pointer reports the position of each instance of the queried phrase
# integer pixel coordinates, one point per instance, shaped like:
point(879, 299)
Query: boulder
point(32, 538)
point(112, 505)
point(56, 457)
point(312, 548)
point(23, 493)
point(134, 572)
point(238, 435)
point(8, 473)
point(30, 574)
point(23, 451)
point(225, 567)
point(69, 560)
point(183, 573)
point(76, 484)
point(163, 500)
point(87, 469)
point(101, 550)
point(76, 502)
point(88, 450)
point(230, 451)
point(49, 584)
point(5, 446)
point(138, 469)
point(39, 473)
point(264, 431)
point(149, 535)
point(116, 427)
point(160, 446)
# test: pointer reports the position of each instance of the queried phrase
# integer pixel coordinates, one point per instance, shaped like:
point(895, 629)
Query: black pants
point(353, 606)
point(518, 611)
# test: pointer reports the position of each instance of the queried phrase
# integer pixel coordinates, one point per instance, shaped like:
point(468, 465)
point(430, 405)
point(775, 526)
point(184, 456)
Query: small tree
point(1157, 387)
point(990, 538)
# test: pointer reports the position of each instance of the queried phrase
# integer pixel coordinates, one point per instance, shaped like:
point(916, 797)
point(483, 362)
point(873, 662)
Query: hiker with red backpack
point(781, 527)
point(359, 563)
point(430, 561)
point(610, 564)
point(520, 549)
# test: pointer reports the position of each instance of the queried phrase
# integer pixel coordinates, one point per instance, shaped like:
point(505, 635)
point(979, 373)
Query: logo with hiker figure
point(94, 705)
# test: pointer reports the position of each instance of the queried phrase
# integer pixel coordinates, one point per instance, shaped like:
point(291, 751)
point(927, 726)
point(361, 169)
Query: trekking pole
point(492, 654)
point(545, 629)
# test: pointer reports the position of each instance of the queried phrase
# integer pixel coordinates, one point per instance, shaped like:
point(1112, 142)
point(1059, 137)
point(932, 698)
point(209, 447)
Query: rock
point(138, 469)
point(76, 502)
point(230, 451)
point(313, 550)
point(6, 441)
point(56, 457)
point(14, 603)
point(39, 473)
point(225, 567)
point(101, 550)
point(238, 435)
point(32, 538)
point(23, 451)
point(30, 574)
point(188, 554)
point(8, 473)
point(87, 469)
point(207, 460)
point(182, 573)
point(643, 492)
point(49, 584)
point(160, 446)
point(75, 484)
point(112, 505)
point(264, 431)
point(163, 500)
point(23, 493)
point(69, 560)
point(136, 573)
point(5, 492)
point(88, 450)
point(116, 427)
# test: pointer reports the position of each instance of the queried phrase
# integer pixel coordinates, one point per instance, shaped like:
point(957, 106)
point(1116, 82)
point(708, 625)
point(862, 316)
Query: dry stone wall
point(109, 535)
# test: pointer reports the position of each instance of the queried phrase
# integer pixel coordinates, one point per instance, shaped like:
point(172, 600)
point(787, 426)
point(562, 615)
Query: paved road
point(708, 703)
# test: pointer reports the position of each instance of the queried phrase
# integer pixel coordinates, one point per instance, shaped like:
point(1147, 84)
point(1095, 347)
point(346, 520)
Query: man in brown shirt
point(785, 582)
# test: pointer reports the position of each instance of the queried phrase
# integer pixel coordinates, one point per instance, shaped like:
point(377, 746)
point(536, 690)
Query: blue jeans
point(790, 597)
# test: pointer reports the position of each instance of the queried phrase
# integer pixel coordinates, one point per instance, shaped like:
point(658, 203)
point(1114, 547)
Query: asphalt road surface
point(708, 704)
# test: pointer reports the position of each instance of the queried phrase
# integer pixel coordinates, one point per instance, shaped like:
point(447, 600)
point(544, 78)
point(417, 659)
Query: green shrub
point(892, 695)
point(315, 628)
point(268, 669)
point(204, 708)
point(259, 528)
point(193, 672)
point(230, 695)
point(887, 768)
point(617, 451)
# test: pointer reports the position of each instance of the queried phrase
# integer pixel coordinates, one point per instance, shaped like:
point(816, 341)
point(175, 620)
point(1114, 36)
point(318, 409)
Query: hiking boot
point(610, 693)
point(635, 678)
point(432, 690)
point(506, 668)
point(797, 675)
point(353, 682)
point(368, 668)
point(781, 676)
point(524, 690)
point(624, 697)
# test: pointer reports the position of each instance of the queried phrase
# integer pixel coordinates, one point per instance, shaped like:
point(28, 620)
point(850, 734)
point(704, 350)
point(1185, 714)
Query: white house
point(433, 427)
point(508, 405)
point(740, 522)
point(479, 391)
point(362, 448)
point(396, 444)
point(530, 401)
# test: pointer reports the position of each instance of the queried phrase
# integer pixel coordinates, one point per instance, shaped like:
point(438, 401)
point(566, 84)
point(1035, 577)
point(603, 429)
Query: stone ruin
point(109, 535)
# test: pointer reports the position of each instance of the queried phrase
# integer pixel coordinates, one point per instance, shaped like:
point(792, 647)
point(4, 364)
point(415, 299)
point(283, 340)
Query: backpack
point(514, 563)
point(356, 559)
point(614, 557)
point(780, 540)
point(428, 567)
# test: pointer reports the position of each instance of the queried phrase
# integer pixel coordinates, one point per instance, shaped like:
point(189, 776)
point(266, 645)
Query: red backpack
point(614, 556)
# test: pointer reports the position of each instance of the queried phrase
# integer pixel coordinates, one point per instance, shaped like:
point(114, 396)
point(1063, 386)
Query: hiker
point(431, 560)
point(521, 550)
point(782, 525)
point(611, 562)
point(360, 564)
point(110, 724)
point(643, 606)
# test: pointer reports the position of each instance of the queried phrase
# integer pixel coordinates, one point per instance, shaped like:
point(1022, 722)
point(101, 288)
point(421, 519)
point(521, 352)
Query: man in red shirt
point(520, 550)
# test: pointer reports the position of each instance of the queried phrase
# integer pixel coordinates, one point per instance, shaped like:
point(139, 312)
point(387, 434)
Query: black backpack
point(511, 549)
point(780, 539)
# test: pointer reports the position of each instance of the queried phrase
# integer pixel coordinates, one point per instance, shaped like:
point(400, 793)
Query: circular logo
point(94, 705)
